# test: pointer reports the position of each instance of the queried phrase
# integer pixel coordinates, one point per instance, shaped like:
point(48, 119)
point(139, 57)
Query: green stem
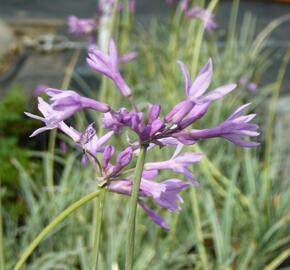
point(62, 216)
point(198, 41)
point(133, 207)
point(50, 161)
point(2, 261)
point(198, 229)
point(107, 23)
point(52, 136)
point(99, 209)
point(266, 187)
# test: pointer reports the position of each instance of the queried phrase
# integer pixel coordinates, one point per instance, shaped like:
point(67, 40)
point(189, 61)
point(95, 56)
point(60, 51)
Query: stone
point(6, 38)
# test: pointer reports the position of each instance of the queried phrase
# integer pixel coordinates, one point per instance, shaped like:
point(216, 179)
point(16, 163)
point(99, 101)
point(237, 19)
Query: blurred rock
point(6, 38)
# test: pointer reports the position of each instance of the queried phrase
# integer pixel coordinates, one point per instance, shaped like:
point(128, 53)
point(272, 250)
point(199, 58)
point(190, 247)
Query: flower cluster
point(151, 128)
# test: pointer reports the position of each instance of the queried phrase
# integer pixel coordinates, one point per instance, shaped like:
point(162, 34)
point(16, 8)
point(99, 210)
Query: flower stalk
point(59, 219)
point(133, 207)
point(99, 209)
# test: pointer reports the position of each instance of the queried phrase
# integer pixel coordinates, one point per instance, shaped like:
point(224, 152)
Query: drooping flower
point(179, 163)
point(65, 103)
point(165, 194)
point(232, 129)
point(108, 65)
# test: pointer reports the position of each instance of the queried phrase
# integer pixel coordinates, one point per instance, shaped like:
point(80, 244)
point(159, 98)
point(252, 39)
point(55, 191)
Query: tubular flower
point(46, 110)
point(123, 159)
point(233, 129)
point(65, 103)
point(165, 194)
point(88, 140)
point(195, 90)
point(178, 163)
point(108, 65)
point(146, 130)
point(204, 15)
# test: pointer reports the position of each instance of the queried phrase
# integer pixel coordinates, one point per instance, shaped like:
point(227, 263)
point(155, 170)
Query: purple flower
point(108, 65)
point(165, 194)
point(63, 147)
point(128, 57)
point(65, 103)
point(40, 89)
point(105, 7)
point(146, 130)
point(88, 141)
point(197, 103)
point(46, 110)
point(123, 159)
point(233, 129)
point(199, 13)
point(92, 144)
point(251, 86)
point(82, 26)
point(178, 163)
point(204, 15)
point(132, 5)
point(154, 216)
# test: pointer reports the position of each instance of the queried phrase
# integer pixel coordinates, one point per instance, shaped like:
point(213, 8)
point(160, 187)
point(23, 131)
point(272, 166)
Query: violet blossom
point(108, 65)
point(146, 130)
point(82, 26)
point(65, 103)
point(132, 5)
point(232, 129)
point(195, 96)
point(165, 194)
point(251, 86)
point(152, 129)
point(178, 163)
point(87, 140)
point(206, 16)
point(123, 159)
